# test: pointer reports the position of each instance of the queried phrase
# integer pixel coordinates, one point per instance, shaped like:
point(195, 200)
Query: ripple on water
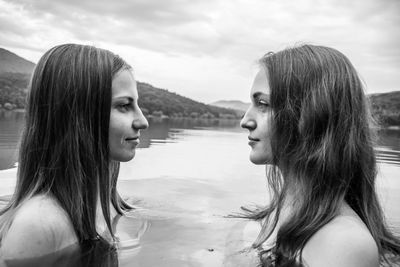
point(387, 155)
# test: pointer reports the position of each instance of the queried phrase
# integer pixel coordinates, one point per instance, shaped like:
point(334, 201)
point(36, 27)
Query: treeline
point(153, 101)
point(13, 90)
point(161, 102)
point(386, 108)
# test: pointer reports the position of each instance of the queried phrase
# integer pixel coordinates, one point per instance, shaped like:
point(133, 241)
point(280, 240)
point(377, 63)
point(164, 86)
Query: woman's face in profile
point(258, 120)
point(126, 118)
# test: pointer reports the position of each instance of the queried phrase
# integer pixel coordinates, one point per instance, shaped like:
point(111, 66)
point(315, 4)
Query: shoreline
point(166, 117)
point(148, 116)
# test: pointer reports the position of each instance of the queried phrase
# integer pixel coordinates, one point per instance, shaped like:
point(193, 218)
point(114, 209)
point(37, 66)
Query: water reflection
point(11, 124)
point(190, 174)
point(93, 253)
point(163, 131)
point(129, 231)
point(388, 148)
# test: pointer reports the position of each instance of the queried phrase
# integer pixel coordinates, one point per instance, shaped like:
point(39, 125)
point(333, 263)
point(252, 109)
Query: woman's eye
point(124, 107)
point(263, 103)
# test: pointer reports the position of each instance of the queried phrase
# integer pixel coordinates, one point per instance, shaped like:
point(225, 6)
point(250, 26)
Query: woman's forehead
point(124, 84)
point(260, 84)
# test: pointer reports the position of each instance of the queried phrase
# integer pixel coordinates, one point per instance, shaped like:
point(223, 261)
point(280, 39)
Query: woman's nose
point(247, 121)
point(140, 122)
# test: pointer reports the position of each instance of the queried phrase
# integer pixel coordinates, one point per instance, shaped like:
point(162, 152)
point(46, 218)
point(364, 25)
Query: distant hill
point(11, 62)
point(233, 104)
point(15, 74)
point(13, 89)
point(386, 108)
point(156, 101)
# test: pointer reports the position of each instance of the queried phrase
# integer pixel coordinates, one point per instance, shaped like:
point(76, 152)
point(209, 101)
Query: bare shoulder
point(40, 227)
point(345, 241)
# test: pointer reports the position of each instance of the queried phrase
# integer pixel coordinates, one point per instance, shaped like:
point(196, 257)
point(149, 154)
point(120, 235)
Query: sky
point(207, 50)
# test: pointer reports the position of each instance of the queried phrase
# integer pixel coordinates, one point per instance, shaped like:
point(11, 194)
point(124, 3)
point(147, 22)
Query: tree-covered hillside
point(10, 62)
point(386, 108)
point(233, 104)
point(161, 102)
point(13, 89)
point(153, 101)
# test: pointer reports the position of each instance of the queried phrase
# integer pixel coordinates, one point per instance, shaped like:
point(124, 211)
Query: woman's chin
point(257, 160)
point(124, 157)
point(260, 158)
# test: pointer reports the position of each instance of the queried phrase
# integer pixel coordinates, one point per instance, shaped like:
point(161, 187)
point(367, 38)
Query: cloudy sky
point(207, 49)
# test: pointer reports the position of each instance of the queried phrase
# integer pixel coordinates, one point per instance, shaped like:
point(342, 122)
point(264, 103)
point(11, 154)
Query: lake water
point(186, 177)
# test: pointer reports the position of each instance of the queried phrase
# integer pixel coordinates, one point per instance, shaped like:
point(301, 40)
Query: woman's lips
point(253, 140)
point(134, 140)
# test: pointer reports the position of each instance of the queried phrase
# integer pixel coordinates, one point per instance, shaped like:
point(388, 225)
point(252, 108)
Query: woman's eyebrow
point(258, 94)
point(130, 99)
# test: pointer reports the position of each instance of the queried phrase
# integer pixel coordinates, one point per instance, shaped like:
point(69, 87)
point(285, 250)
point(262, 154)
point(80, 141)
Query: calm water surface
point(185, 178)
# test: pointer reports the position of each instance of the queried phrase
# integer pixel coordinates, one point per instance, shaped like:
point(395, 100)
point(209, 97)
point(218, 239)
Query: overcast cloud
point(207, 49)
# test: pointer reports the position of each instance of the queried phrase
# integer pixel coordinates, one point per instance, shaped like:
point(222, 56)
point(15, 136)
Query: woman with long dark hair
point(309, 122)
point(82, 119)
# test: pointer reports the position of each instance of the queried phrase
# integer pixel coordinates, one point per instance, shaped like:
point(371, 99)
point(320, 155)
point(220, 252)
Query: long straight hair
point(321, 135)
point(64, 148)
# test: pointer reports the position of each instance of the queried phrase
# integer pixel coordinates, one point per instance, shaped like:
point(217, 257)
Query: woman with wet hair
point(82, 120)
point(309, 122)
